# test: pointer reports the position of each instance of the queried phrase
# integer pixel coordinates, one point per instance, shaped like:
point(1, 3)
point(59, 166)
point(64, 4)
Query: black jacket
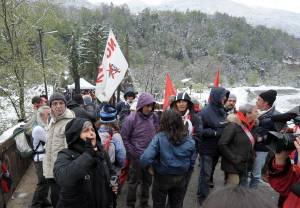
point(84, 179)
point(214, 120)
point(235, 147)
point(265, 125)
point(80, 112)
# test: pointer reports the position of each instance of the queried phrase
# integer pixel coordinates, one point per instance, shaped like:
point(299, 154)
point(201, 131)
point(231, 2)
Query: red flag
point(169, 91)
point(217, 79)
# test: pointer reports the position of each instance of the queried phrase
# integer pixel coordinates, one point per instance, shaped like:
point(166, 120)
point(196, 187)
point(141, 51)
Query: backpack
point(108, 145)
point(24, 143)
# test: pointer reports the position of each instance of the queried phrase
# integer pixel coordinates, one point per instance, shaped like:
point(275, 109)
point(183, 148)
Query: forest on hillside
point(185, 44)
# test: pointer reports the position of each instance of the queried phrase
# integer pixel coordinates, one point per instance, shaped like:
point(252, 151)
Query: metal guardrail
point(17, 166)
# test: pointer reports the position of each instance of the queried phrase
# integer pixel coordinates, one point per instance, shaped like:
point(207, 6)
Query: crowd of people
point(85, 151)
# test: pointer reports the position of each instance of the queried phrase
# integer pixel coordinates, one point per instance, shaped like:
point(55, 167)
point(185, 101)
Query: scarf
point(187, 121)
point(243, 119)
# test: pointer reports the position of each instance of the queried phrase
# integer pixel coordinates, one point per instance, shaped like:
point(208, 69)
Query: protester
point(230, 104)
point(266, 109)
point(285, 177)
point(183, 105)
point(90, 107)
point(56, 140)
point(169, 158)
point(111, 139)
point(36, 102)
point(123, 107)
point(236, 145)
point(214, 120)
point(40, 195)
point(197, 106)
point(83, 170)
point(237, 197)
point(76, 105)
point(137, 132)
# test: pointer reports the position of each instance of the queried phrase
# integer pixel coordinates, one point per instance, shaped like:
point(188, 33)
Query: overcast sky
point(289, 5)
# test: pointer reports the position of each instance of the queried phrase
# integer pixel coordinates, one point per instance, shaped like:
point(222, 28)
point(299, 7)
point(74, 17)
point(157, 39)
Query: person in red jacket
point(285, 177)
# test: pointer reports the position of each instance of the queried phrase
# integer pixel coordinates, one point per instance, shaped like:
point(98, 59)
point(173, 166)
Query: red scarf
point(243, 119)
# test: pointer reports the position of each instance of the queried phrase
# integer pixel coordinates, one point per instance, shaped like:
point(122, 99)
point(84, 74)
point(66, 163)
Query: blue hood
point(216, 95)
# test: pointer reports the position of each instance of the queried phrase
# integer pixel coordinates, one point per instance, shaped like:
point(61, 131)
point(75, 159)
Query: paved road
point(24, 192)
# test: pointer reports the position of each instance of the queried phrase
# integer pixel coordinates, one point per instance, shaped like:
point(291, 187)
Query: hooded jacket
point(83, 179)
point(56, 140)
point(285, 179)
point(80, 112)
point(195, 120)
point(138, 129)
point(235, 147)
point(214, 120)
point(168, 158)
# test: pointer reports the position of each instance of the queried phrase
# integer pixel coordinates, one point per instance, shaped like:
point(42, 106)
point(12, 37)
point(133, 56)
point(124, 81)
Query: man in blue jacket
point(214, 120)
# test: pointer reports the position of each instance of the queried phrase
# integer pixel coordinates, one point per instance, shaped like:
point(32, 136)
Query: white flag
point(112, 70)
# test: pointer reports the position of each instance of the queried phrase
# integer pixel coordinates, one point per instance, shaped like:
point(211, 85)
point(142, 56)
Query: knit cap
point(269, 96)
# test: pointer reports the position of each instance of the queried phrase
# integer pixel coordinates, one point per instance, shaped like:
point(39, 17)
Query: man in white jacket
point(56, 140)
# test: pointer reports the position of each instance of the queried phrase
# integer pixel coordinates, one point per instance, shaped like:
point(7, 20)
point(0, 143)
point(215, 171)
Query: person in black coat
point(214, 120)
point(76, 105)
point(83, 170)
point(265, 104)
point(236, 145)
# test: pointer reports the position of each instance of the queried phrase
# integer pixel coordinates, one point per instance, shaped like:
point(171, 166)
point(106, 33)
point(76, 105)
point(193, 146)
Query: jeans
point(171, 186)
point(257, 166)
point(42, 188)
point(207, 167)
point(138, 176)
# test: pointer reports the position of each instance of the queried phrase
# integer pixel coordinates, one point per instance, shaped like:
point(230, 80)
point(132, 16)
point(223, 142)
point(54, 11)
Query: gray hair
point(246, 108)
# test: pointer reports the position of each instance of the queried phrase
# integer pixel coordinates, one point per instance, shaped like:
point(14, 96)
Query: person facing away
point(236, 145)
point(83, 170)
point(56, 140)
point(265, 104)
point(214, 120)
point(230, 104)
point(184, 106)
point(169, 157)
point(110, 136)
point(77, 106)
point(137, 132)
point(39, 137)
point(237, 197)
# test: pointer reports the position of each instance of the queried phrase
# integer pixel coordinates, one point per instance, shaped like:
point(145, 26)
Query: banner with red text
point(111, 71)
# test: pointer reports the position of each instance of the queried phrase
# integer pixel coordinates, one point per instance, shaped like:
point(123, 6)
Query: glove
point(89, 148)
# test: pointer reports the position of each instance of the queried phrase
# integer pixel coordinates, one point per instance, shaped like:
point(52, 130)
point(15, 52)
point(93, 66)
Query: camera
point(114, 180)
point(278, 141)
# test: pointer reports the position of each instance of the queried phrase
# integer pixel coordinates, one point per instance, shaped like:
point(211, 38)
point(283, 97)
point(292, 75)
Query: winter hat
point(57, 96)
point(232, 96)
point(87, 99)
point(129, 92)
point(35, 100)
point(269, 96)
point(183, 96)
point(108, 114)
